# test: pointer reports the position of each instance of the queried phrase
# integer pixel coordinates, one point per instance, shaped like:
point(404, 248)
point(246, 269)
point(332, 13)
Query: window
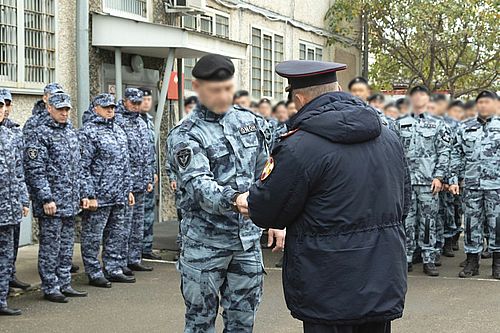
point(27, 42)
point(267, 51)
point(308, 51)
point(213, 23)
point(133, 9)
point(188, 76)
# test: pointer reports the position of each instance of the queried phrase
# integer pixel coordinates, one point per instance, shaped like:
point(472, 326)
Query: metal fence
point(126, 7)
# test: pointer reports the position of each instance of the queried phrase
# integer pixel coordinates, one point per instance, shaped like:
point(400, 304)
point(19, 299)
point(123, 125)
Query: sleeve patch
point(32, 153)
point(268, 168)
point(183, 157)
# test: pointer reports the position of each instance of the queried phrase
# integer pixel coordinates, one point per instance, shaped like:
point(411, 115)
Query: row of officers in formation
point(106, 170)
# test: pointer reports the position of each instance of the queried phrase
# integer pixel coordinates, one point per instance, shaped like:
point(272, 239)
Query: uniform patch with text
point(267, 169)
point(248, 129)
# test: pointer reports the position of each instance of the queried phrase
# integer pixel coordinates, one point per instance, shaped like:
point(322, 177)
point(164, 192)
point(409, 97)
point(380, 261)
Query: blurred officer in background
point(377, 101)
point(426, 141)
point(360, 88)
point(150, 197)
point(189, 104)
point(128, 116)
point(470, 110)
point(292, 110)
point(403, 105)
point(344, 268)
point(105, 181)
point(475, 159)
point(40, 109)
point(242, 98)
point(15, 128)
point(14, 205)
point(391, 111)
point(52, 166)
point(218, 152)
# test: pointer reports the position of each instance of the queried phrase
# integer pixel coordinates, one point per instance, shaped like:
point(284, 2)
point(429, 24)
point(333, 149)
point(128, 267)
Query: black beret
point(487, 94)
point(146, 91)
point(377, 96)
point(470, 104)
point(306, 73)
point(456, 103)
point(358, 79)
point(213, 67)
point(401, 101)
point(419, 88)
point(191, 100)
point(241, 93)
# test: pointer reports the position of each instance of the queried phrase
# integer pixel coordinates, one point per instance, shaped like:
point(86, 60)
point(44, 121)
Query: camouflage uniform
point(105, 177)
point(149, 197)
point(426, 141)
point(141, 172)
point(216, 157)
point(14, 195)
point(18, 136)
point(280, 129)
point(52, 166)
point(475, 159)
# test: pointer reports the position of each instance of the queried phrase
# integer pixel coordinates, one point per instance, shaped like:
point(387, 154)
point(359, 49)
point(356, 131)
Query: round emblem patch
point(267, 169)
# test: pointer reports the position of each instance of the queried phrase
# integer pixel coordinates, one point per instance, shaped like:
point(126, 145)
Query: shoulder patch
point(32, 153)
point(183, 157)
point(268, 168)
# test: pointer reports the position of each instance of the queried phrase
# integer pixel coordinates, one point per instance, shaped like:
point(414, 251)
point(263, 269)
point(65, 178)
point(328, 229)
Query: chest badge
point(32, 153)
point(267, 169)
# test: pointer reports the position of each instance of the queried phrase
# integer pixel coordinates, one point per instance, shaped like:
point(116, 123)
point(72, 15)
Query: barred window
point(267, 52)
point(210, 22)
point(308, 51)
point(188, 75)
point(8, 40)
point(222, 26)
point(27, 42)
point(134, 9)
point(206, 24)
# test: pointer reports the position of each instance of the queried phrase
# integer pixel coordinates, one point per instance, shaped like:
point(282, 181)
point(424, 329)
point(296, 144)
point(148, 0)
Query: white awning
point(154, 40)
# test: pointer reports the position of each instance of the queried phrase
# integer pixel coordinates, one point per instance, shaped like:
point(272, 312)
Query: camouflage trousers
point(480, 206)
point(6, 257)
point(106, 225)
point(17, 232)
point(207, 273)
point(55, 253)
point(449, 218)
point(421, 223)
point(149, 219)
point(133, 231)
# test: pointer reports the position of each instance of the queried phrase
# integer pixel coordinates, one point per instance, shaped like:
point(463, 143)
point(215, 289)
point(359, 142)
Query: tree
point(445, 45)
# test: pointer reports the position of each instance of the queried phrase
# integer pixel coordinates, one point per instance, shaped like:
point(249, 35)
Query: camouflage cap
point(52, 88)
point(6, 94)
point(2, 101)
point(60, 100)
point(104, 100)
point(134, 95)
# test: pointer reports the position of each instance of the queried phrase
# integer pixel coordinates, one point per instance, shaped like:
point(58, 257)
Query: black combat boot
point(16, 283)
point(437, 261)
point(9, 312)
point(430, 269)
point(496, 265)
point(471, 266)
point(410, 267)
point(70, 292)
point(455, 240)
point(138, 267)
point(448, 248)
point(100, 282)
point(127, 271)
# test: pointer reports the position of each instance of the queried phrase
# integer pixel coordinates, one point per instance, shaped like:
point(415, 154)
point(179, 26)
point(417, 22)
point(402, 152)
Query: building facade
point(129, 43)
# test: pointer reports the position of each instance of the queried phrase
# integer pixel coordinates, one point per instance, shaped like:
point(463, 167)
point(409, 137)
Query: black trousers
point(378, 327)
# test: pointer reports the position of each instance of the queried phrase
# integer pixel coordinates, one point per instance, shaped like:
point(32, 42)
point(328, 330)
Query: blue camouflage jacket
point(138, 138)
point(105, 168)
point(38, 113)
point(215, 157)
point(52, 167)
point(12, 186)
point(426, 141)
point(475, 157)
point(148, 119)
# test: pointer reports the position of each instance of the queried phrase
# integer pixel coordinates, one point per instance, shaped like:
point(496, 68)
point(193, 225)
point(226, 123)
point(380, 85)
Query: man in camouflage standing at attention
point(52, 167)
point(141, 161)
point(475, 159)
point(426, 141)
point(218, 151)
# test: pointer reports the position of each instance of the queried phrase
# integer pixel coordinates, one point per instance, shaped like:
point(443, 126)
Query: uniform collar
point(483, 121)
point(208, 115)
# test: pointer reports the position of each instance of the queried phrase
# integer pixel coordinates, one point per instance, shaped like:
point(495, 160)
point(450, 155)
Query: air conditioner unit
point(185, 6)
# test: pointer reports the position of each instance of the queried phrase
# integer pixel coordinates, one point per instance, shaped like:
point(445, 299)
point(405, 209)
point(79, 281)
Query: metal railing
point(126, 8)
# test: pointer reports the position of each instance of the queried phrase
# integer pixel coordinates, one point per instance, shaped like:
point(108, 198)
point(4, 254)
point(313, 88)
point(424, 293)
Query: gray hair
point(315, 91)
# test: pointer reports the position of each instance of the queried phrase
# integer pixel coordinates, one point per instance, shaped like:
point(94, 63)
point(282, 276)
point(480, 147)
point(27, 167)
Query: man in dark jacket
point(336, 181)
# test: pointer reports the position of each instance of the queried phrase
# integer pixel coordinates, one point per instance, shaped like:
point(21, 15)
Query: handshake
point(240, 204)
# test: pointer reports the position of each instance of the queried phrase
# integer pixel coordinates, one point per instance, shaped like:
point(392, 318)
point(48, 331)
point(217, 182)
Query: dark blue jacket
point(104, 161)
point(52, 167)
point(338, 186)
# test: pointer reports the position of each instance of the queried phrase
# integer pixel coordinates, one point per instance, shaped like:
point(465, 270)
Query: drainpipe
point(82, 57)
point(118, 73)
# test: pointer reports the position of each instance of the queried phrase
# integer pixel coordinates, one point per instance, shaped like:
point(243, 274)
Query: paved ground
point(154, 303)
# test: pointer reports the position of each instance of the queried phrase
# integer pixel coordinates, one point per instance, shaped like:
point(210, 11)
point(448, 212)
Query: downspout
point(82, 57)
